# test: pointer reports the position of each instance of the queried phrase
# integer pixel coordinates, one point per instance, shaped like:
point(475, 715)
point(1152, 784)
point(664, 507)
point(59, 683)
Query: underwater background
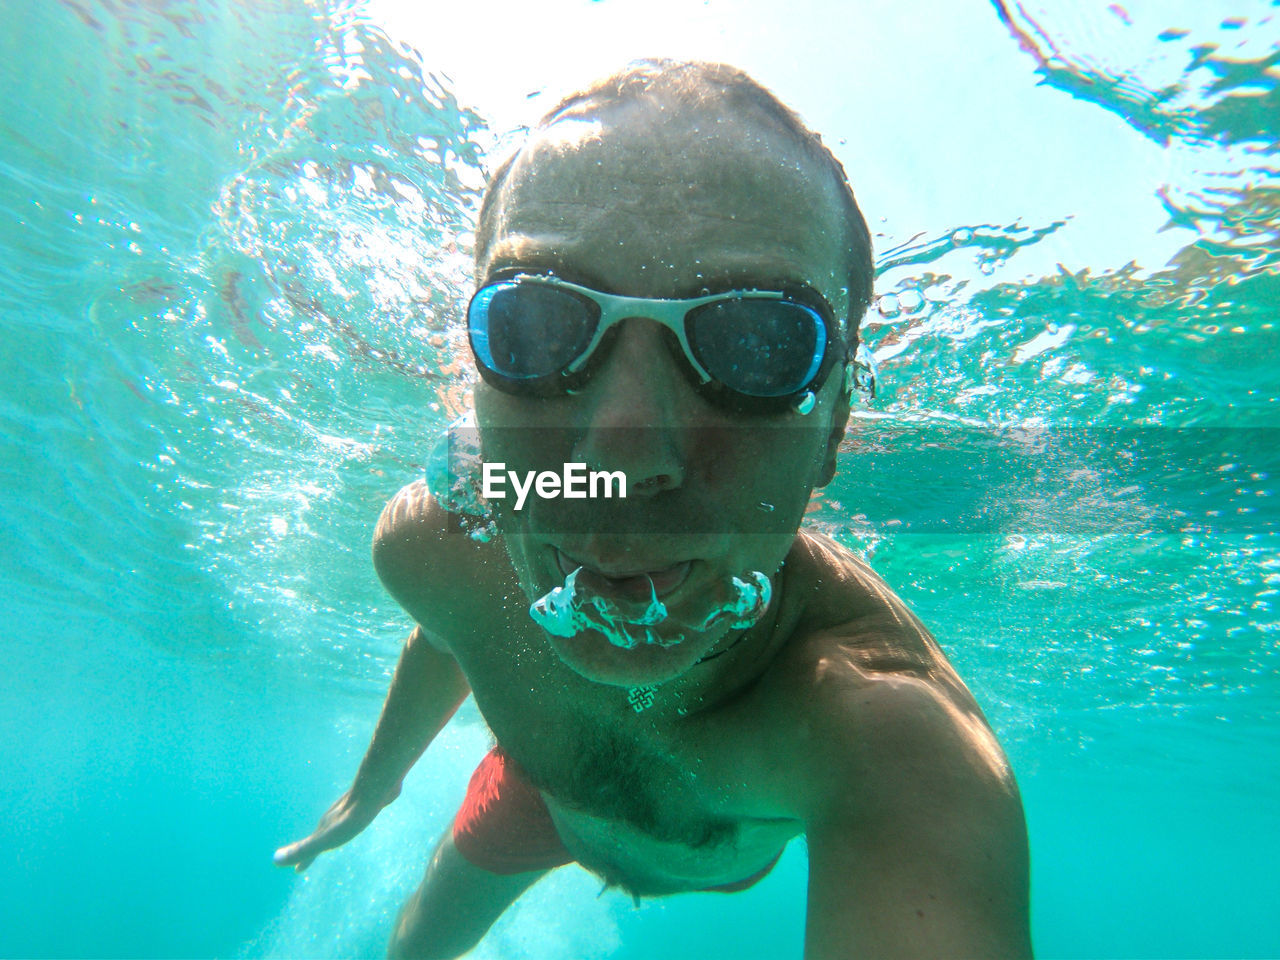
point(233, 254)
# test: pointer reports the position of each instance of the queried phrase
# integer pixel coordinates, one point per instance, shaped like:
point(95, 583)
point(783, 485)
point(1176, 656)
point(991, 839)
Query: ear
point(839, 421)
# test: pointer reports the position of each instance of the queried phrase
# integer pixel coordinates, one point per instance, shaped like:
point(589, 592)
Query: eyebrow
point(714, 279)
point(544, 262)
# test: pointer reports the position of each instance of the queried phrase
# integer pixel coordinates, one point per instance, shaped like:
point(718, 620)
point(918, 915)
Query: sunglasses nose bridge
point(622, 310)
point(625, 314)
point(632, 409)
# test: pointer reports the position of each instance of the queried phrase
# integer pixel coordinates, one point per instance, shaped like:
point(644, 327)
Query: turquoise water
point(234, 246)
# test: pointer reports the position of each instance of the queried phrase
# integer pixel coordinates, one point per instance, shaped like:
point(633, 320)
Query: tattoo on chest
point(641, 698)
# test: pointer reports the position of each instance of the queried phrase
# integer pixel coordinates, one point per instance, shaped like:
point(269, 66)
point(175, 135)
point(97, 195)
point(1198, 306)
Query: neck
point(722, 648)
point(739, 658)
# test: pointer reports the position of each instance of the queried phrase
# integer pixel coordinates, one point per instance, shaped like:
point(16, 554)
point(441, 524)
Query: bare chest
point(651, 800)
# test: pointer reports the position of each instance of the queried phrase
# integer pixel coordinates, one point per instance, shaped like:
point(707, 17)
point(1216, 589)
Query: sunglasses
point(748, 350)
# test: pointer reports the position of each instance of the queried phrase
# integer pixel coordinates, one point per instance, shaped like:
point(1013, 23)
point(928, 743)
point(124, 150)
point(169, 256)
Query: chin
point(590, 655)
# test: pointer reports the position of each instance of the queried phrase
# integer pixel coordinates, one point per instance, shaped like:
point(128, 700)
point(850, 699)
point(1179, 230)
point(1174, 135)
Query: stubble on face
point(646, 204)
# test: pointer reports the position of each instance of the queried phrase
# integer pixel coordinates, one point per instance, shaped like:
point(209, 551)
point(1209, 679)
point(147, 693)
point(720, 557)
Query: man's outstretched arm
point(917, 845)
point(426, 690)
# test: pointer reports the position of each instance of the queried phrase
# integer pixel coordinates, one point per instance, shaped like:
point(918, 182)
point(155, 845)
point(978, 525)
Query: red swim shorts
point(503, 825)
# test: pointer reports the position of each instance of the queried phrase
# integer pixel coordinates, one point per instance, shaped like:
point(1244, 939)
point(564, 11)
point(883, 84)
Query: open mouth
point(633, 585)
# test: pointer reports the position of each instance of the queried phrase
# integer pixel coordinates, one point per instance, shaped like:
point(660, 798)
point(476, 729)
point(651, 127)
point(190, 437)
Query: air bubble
point(888, 306)
point(910, 300)
point(569, 610)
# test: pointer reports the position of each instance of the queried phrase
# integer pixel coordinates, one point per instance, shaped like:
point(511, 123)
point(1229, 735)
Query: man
point(670, 277)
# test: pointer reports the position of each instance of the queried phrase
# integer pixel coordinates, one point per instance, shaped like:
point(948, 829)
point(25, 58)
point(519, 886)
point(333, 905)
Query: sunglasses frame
point(672, 314)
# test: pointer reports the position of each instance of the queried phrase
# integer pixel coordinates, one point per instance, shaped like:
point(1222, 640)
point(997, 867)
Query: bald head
point(628, 159)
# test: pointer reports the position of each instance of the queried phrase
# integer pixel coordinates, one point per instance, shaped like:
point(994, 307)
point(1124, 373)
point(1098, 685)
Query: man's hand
point(340, 823)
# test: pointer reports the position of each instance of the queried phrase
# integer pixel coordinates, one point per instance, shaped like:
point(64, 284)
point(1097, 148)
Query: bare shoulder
point(426, 559)
point(879, 704)
point(848, 627)
point(915, 827)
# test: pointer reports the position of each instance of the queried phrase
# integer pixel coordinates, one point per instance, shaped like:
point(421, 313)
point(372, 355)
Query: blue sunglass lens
point(526, 331)
point(758, 347)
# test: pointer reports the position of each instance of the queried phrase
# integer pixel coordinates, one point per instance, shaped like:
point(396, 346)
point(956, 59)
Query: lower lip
point(639, 587)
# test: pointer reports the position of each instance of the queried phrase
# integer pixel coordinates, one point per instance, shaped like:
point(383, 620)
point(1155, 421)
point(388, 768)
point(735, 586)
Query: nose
point(631, 412)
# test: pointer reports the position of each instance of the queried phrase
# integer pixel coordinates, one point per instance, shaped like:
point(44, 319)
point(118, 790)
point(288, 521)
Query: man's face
point(643, 204)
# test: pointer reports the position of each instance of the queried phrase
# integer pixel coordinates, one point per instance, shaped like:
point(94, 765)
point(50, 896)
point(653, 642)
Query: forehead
point(650, 202)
